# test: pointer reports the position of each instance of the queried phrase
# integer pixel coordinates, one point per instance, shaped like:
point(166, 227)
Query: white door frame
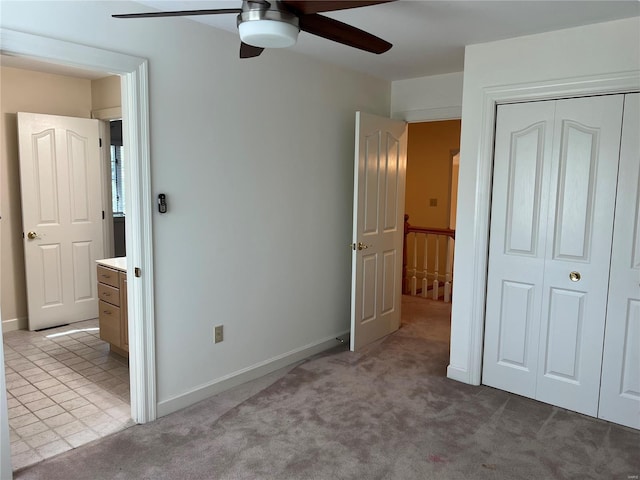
point(135, 108)
point(492, 96)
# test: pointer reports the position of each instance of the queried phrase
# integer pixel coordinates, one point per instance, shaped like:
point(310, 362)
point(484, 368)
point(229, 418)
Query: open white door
point(378, 227)
point(61, 216)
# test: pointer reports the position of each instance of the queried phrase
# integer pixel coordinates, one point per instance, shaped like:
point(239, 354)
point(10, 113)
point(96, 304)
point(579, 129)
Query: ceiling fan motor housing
point(268, 28)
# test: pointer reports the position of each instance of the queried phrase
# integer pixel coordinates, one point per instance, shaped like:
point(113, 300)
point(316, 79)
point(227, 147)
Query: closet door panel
point(620, 386)
point(583, 179)
point(517, 243)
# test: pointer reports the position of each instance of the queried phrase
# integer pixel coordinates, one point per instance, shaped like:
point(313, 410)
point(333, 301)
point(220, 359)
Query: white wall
point(256, 159)
point(438, 97)
point(532, 65)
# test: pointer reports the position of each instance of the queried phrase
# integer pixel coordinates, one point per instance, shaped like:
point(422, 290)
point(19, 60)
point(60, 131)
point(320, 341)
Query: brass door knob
point(575, 276)
point(32, 235)
point(360, 246)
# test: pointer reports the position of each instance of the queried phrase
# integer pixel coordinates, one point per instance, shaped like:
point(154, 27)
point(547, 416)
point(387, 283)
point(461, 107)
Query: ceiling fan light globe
point(268, 33)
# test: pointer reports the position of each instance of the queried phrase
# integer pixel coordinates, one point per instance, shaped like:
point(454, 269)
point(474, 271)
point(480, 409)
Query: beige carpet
point(385, 413)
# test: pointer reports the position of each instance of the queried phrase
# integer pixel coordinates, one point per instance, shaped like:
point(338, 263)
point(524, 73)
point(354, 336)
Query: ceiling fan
point(276, 24)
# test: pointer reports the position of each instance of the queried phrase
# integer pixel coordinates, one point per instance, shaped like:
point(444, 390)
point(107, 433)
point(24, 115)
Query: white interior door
point(620, 386)
point(378, 228)
point(61, 216)
point(550, 253)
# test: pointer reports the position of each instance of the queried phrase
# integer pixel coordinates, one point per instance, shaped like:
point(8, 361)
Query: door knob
point(359, 246)
point(32, 235)
point(575, 276)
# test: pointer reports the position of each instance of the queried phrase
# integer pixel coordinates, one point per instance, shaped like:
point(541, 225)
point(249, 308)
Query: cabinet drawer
point(108, 276)
point(109, 294)
point(109, 320)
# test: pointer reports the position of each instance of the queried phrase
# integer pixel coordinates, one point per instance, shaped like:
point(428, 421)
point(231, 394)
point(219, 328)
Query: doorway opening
point(132, 72)
point(65, 386)
point(433, 160)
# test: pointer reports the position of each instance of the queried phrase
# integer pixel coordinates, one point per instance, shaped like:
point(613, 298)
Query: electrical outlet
point(217, 334)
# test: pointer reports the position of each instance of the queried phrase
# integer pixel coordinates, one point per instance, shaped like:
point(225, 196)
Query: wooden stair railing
point(410, 273)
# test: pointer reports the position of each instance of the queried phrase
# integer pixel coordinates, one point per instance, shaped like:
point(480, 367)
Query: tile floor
point(64, 389)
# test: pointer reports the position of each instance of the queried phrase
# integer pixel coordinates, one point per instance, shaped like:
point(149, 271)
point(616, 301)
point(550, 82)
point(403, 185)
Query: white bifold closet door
point(620, 387)
point(553, 204)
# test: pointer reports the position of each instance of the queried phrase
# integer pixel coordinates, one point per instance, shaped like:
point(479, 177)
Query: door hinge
point(137, 272)
point(103, 214)
point(100, 142)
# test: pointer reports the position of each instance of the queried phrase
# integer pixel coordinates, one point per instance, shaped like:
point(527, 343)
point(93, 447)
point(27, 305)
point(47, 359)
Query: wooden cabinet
point(112, 291)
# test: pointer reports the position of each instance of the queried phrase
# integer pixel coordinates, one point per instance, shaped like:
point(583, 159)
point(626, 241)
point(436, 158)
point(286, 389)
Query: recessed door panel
point(391, 184)
point(369, 287)
point(388, 281)
point(79, 177)
point(576, 190)
point(635, 241)
point(83, 267)
point(515, 322)
point(630, 384)
point(51, 283)
point(525, 176)
point(372, 157)
point(46, 179)
point(564, 332)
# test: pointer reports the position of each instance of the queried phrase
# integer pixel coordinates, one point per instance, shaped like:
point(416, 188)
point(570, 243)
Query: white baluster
point(425, 273)
point(414, 280)
point(447, 278)
point(436, 283)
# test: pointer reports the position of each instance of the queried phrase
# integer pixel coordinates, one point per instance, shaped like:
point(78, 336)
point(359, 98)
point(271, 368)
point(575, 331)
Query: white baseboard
point(245, 375)
point(458, 374)
point(12, 324)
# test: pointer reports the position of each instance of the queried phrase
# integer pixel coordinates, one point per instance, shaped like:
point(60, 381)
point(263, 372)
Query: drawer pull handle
point(106, 312)
point(105, 275)
point(107, 294)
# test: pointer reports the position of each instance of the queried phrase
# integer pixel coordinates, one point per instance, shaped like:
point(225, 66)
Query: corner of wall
point(12, 324)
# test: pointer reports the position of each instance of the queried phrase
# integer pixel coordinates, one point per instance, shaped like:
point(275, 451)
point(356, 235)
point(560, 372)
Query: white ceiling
point(428, 36)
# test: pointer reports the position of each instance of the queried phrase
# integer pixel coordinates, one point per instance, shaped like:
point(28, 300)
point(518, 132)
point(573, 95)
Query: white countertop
point(119, 263)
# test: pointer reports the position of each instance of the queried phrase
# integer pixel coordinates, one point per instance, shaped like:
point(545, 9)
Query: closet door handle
point(575, 276)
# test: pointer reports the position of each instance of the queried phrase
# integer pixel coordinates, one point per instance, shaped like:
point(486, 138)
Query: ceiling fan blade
point(340, 32)
point(317, 6)
point(249, 51)
point(179, 13)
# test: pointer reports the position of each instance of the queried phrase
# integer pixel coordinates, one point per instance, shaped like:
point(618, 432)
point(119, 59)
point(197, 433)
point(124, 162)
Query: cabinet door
point(124, 316)
point(109, 320)
point(620, 386)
